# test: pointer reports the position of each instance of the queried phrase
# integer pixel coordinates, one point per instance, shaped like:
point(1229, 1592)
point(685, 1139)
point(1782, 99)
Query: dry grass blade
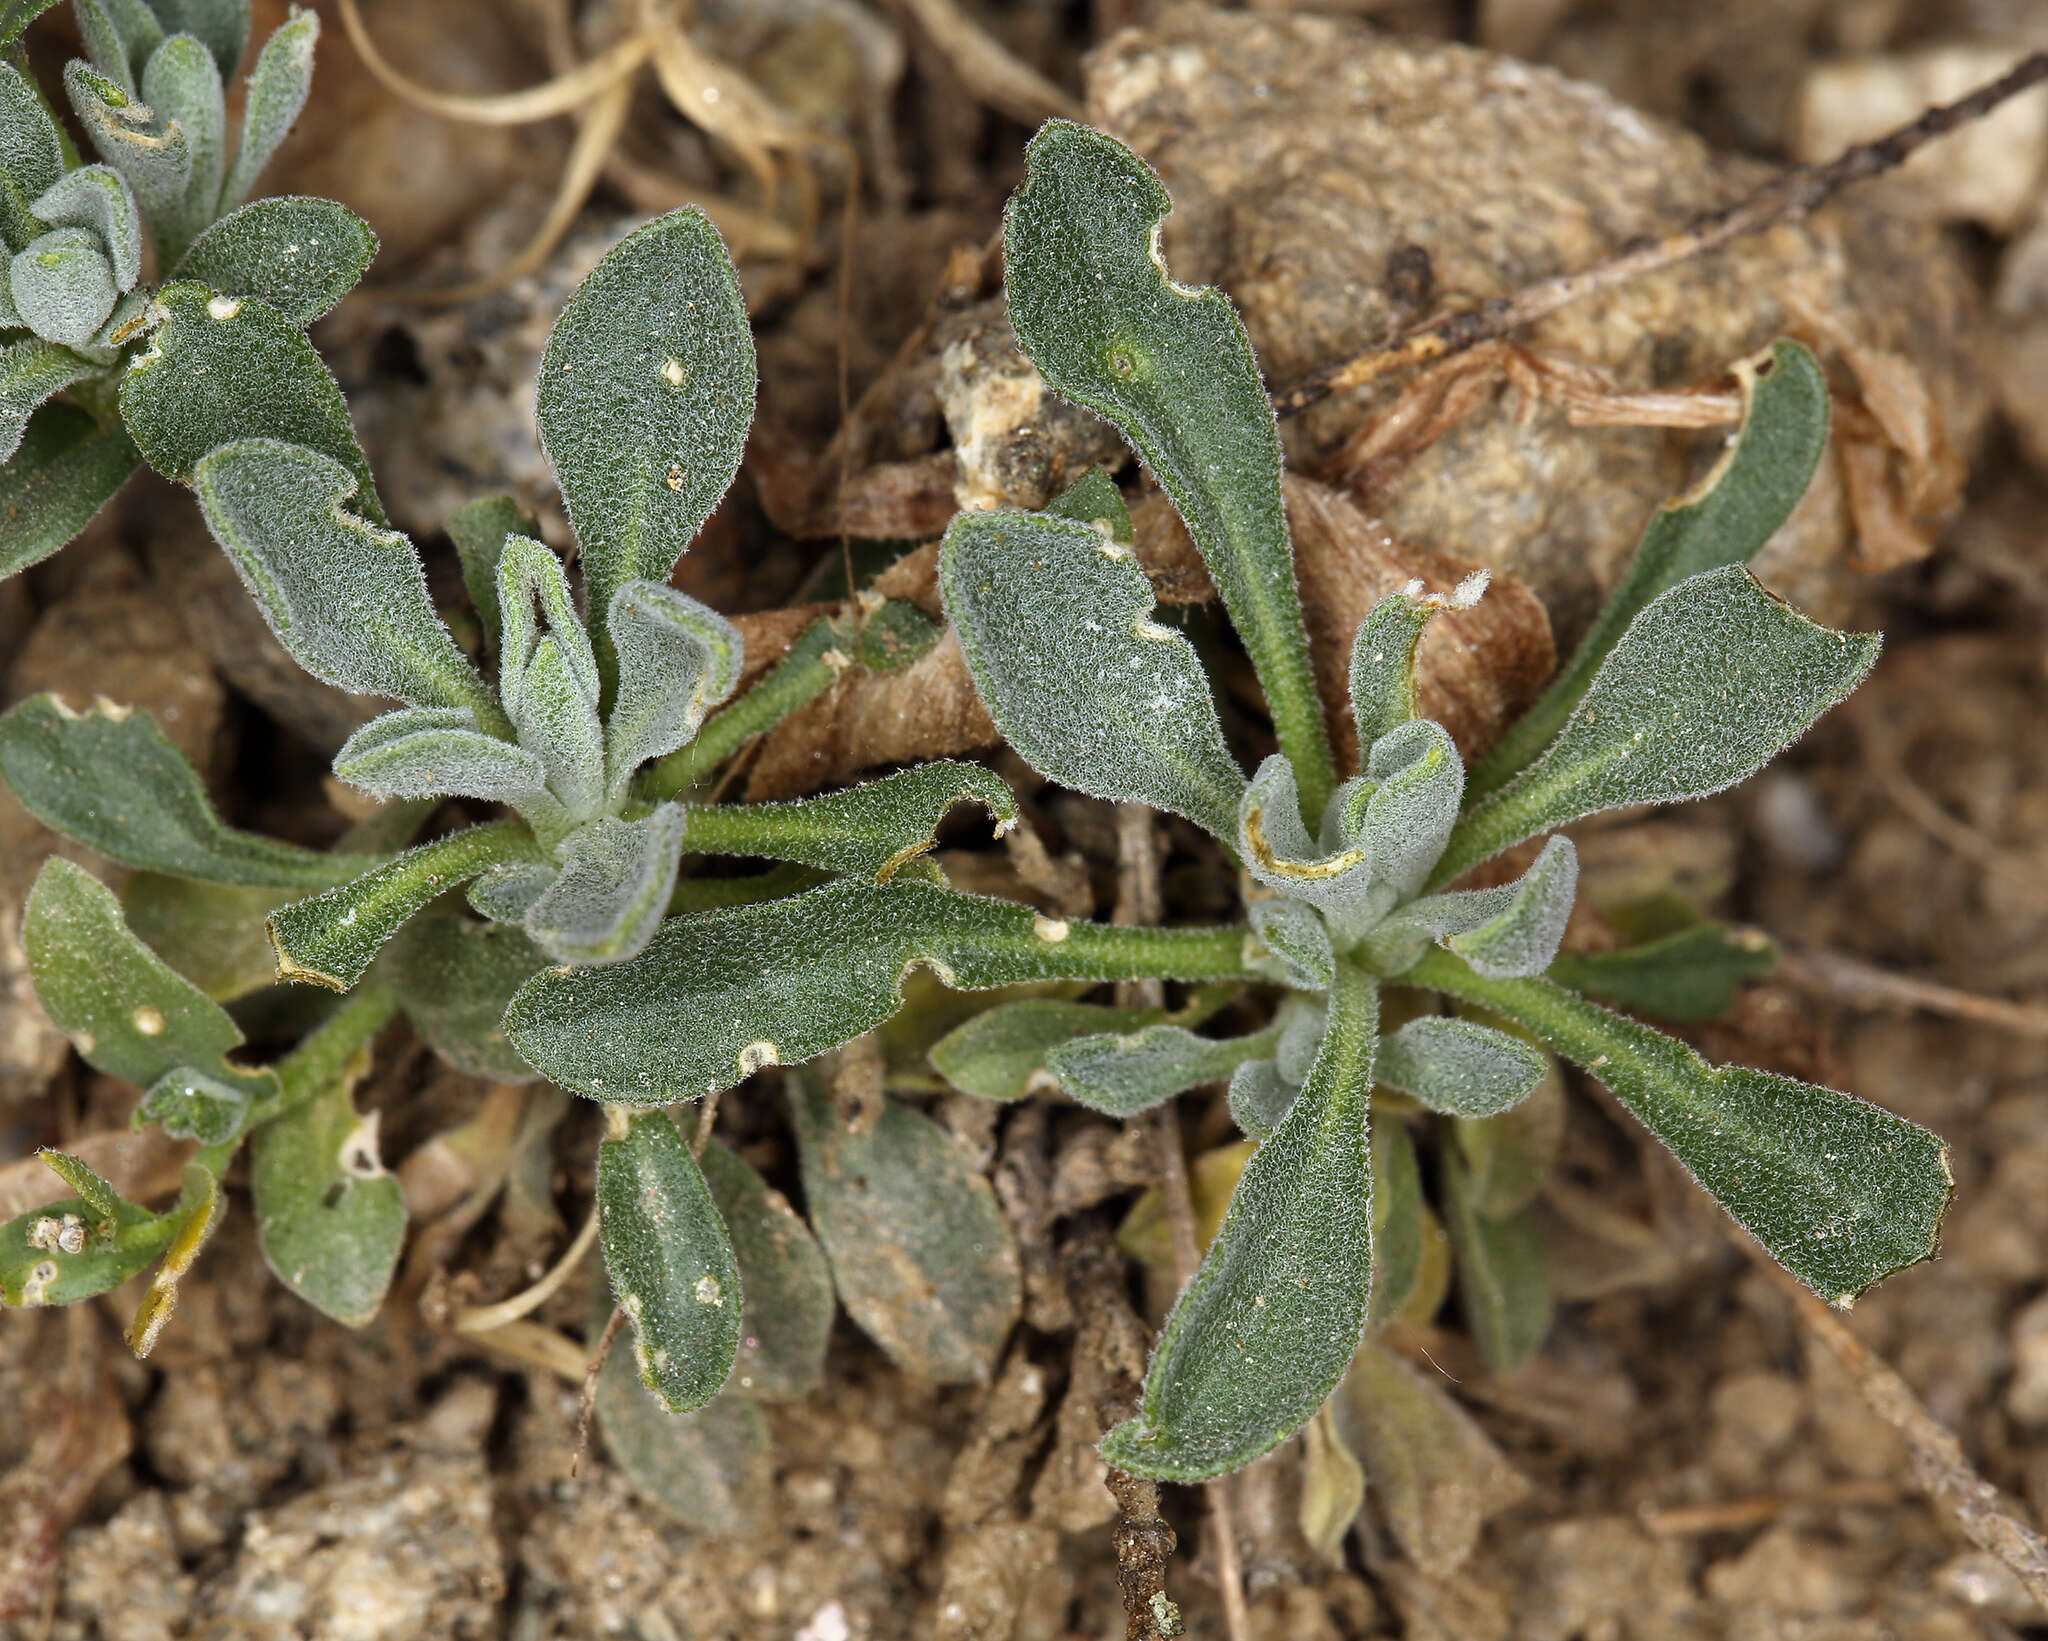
point(564, 94)
point(989, 72)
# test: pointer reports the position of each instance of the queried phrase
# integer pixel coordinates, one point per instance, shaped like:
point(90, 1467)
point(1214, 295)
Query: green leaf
point(182, 84)
point(547, 675)
point(330, 1219)
point(921, 1255)
point(211, 933)
point(346, 598)
point(123, 1008)
point(1096, 312)
point(895, 636)
point(189, 1105)
point(1093, 499)
point(64, 470)
point(645, 395)
point(455, 976)
point(1723, 521)
point(999, 1054)
point(1503, 1274)
point(1056, 624)
point(119, 35)
point(15, 17)
point(425, 752)
point(1398, 1218)
point(31, 147)
point(1269, 1323)
point(1124, 1074)
point(677, 660)
point(222, 368)
point(150, 151)
point(1707, 685)
point(1383, 663)
point(811, 667)
point(1458, 1067)
point(222, 24)
point(1838, 1191)
point(277, 89)
point(31, 370)
point(867, 831)
point(333, 938)
point(671, 1262)
point(96, 198)
point(73, 1249)
point(713, 1469)
point(63, 288)
point(1692, 973)
point(718, 995)
point(786, 1287)
point(608, 899)
point(301, 256)
point(478, 530)
point(1295, 933)
point(112, 780)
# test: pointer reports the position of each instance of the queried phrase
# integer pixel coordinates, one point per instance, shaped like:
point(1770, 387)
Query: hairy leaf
point(110, 779)
point(424, 752)
point(1270, 1321)
point(1094, 499)
point(1503, 1274)
point(1057, 628)
point(31, 148)
point(1172, 367)
point(1383, 663)
point(95, 198)
point(333, 938)
point(1839, 1191)
point(1459, 1067)
point(867, 831)
point(1418, 779)
point(211, 933)
point(278, 87)
point(1341, 884)
point(1707, 685)
point(921, 1255)
point(63, 471)
point(670, 1260)
point(182, 84)
point(547, 675)
point(645, 395)
point(677, 660)
point(713, 1469)
point(31, 370)
point(609, 897)
point(786, 1287)
point(505, 894)
point(347, 599)
point(222, 24)
point(1124, 1074)
point(1260, 1098)
point(718, 995)
point(63, 287)
point(146, 148)
point(187, 1104)
point(999, 1054)
point(478, 530)
point(1298, 937)
point(75, 1249)
point(455, 976)
point(1512, 929)
point(221, 369)
point(1692, 973)
point(1724, 521)
point(1399, 1219)
point(119, 35)
point(299, 255)
point(810, 668)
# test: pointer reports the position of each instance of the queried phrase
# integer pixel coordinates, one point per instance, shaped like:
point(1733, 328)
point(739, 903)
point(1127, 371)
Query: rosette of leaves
point(99, 253)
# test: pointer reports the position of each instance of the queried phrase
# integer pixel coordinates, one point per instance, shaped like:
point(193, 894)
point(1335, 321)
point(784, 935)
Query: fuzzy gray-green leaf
point(64, 470)
point(1272, 1317)
point(110, 779)
point(119, 35)
point(1708, 684)
point(277, 89)
point(720, 994)
point(455, 976)
point(1096, 312)
point(1094, 499)
point(96, 198)
point(347, 599)
point(1692, 973)
point(479, 529)
point(1459, 1067)
point(211, 933)
point(677, 660)
point(63, 286)
point(425, 752)
point(786, 1286)
point(1839, 1191)
point(1260, 1098)
point(1522, 938)
point(222, 24)
point(1123, 1074)
point(299, 255)
point(646, 391)
point(921, 1255)
point(1056, 624)
point(31, 370)
point(1300, 941)
point(999, 1054)
point(222, 368)
point(181, 83)
point(150, 152)
point(1383, 663)
point(31, 151)
point(1503, 1274)
point(670, 1260)
point(608, 899)
point(37, 1269)
point(1278, 852)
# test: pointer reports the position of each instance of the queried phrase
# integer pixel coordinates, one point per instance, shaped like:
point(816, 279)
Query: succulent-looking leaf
point(999, 1054)
point(786, 1287)
point(329, 1217)
point(1690, 974)
point(1260, 1098)
point(278, 87)
point(224, 368)
point(713, 1469)
point(1298, 937)
point(347, 599)
point(149, 151)
point(211, 933)
point(1272, 1317)
point(813, 663)
point(31, 370)
point(1056, 624)
point(63, 286)
point(1503, 1274)
point(333, 938)
point(110, 779)
point(299, 255)
point(479, 529)
point(198, 1212)
point(1839, 1191)
point(1097, 314)
point(1709, 683)
point(425, 752)
point(1399, 1225)
point(122, 1007)
point(31, 150)
point(181, 83)
point(1341, 884)
point(64, 470)
point(1124, 1074)
point(646, 391)
point(189, 1105)
point(119, 35)
point(1459, 1067)
point(1383, 663)
point(1724, 521)
point(868, 831)
point(718, 995)
point(609, 897)
point(921, 1255)
point(222, 24)
point(96, 198)
point(670, 1260)
point(455, 977)
point(677, 660)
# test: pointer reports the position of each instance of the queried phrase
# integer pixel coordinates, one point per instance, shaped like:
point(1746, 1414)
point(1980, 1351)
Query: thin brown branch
point(591, 1375)
point(1760, 1509)
point(988, 71)
point(1849, 980)
point(1786, 198)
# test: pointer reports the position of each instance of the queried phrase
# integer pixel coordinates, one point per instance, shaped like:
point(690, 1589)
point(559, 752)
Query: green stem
point(322, 1059)
point(704, 894)
point(1113, 951)
point(795, 681)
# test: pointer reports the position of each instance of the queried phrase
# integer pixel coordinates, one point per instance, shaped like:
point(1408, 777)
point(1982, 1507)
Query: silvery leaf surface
point(301, 256)
point(479, 530)
point(277, 89)
point(181, 83)
point(119, 35)
point(347, 599)
point(1097, 313)
point(31, 371)
point(63, 286)
point(1295, 933)
point(427, 752)
point(547, 675)
point(505, 894)
point(1459, 1067)
point(96, 198)
point(149, 151)
point(1512, 928)
point(31, 150)
point(608, 899)
point(677, 660)
point(1710, 682)
point(1261, 1097)
point(1122, 1074)
point(1417, 779)
point(1383, 663)
point(1342, 885)
point(1056, 624)
point(222, 24)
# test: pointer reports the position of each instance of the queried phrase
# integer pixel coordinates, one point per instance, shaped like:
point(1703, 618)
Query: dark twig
point(591, 1375)
point(1784, 199)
